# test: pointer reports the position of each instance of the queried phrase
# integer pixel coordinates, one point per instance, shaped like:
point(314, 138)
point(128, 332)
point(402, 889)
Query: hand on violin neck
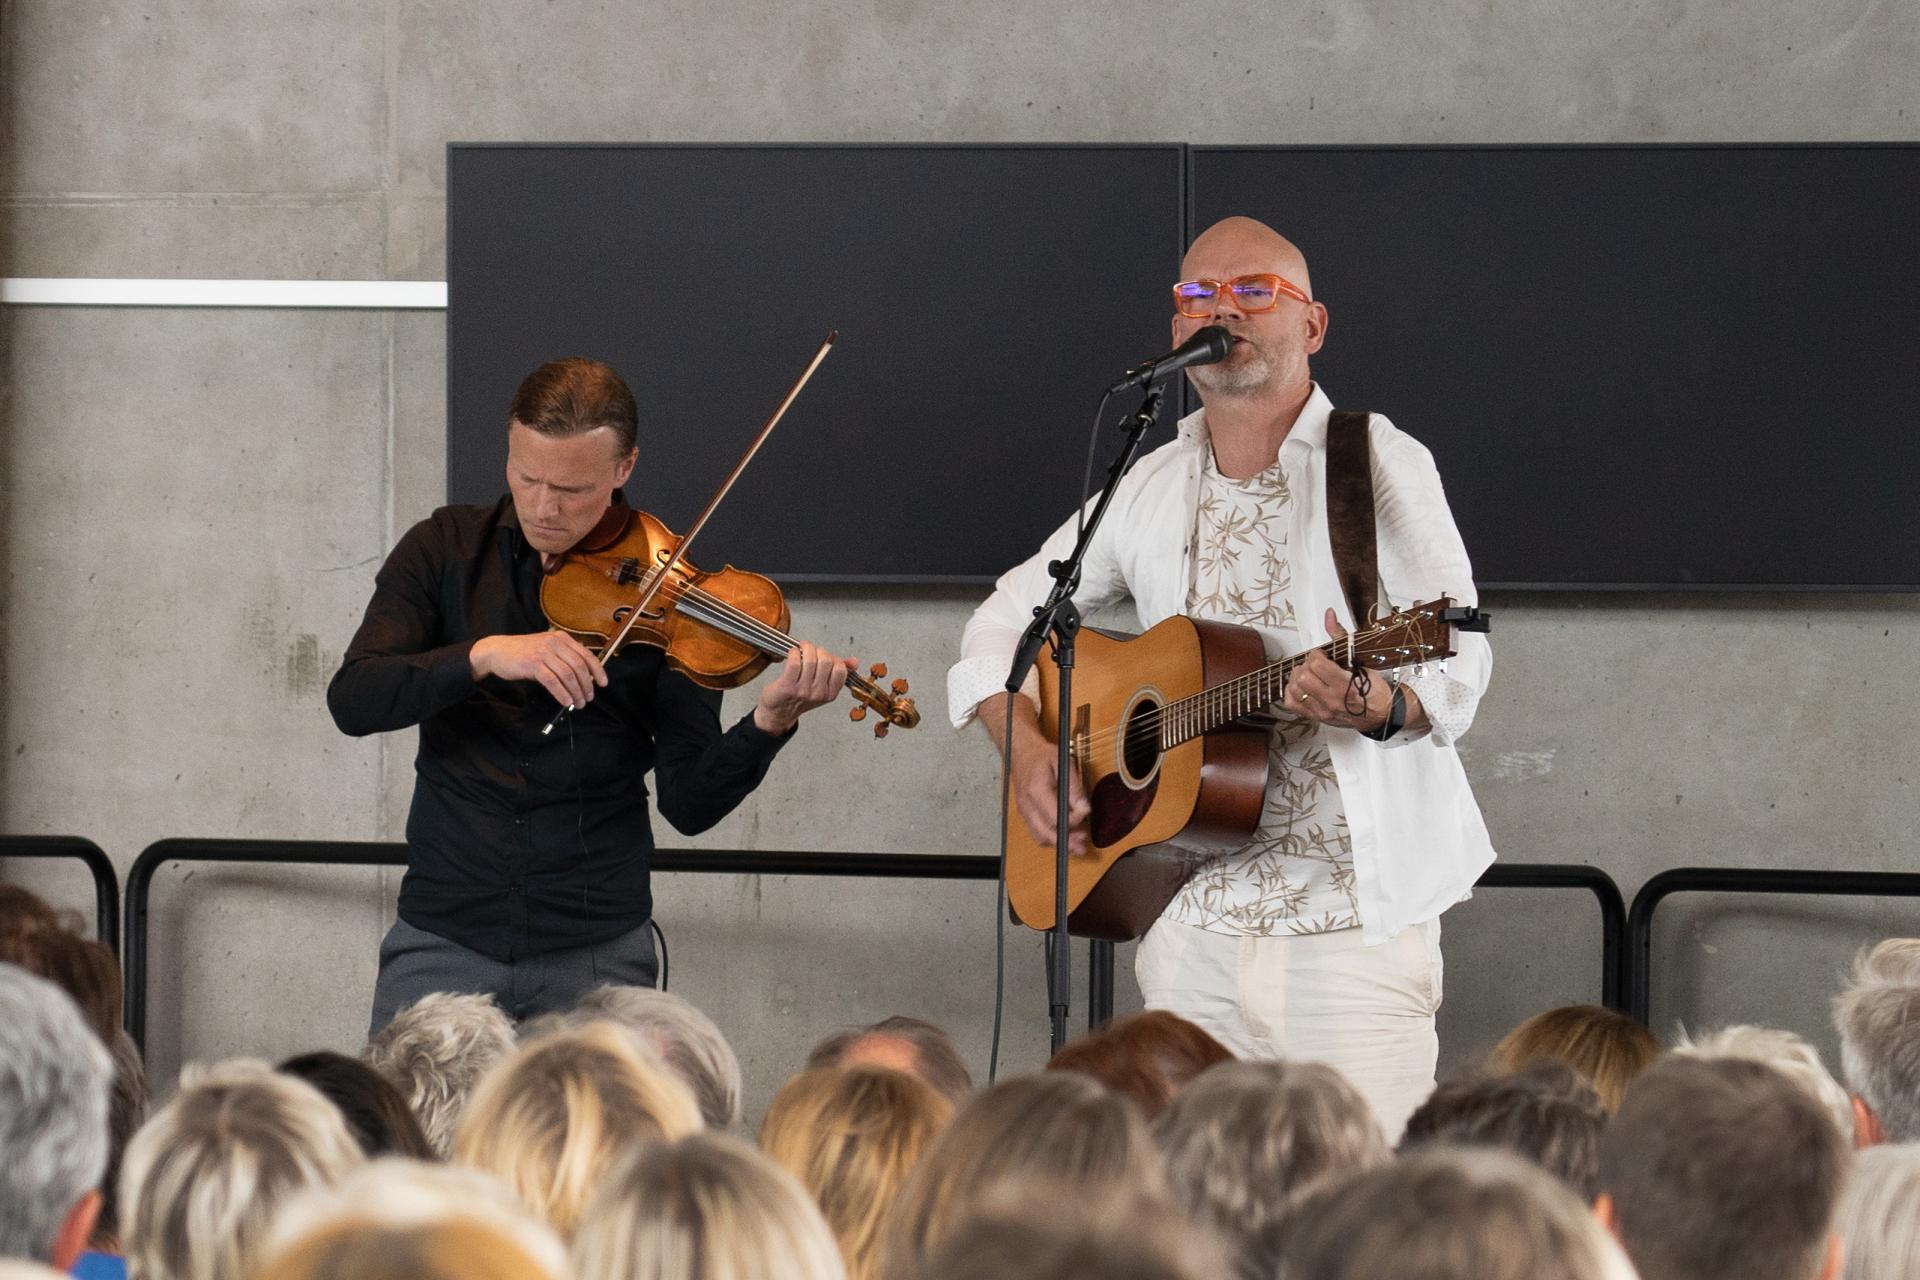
point(562, 665)
point(810, 677)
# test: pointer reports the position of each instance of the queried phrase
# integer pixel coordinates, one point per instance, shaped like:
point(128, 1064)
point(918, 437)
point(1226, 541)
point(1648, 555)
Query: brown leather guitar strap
point(1350, 511)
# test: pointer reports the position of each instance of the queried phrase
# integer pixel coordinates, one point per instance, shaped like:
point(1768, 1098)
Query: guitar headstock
point(1414, 636)
point(892, 703)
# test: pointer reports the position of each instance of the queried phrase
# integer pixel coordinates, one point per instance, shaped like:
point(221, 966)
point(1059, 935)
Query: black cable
point(660, 939)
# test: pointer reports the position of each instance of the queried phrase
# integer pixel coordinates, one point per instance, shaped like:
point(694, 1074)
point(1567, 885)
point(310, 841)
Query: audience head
point(22, 910)
point(377, 1116)
point(680, 1036)
point(55, 1076)
point(1148, 1056)
point(1721, 1169)
point(1879, 1219)
point(904, 1044)
point(1878, 1017)
point(708, 1207)
point(1547, 1112)
point(458, 1249)
point(1607, 1047)
point(1448, 1213)
point(400, 1199)
point(204, 1179)
point(1037, 1230)
point(435, 1051)
point(1058, 1125)
point(126, 1111)
point(1792, 1055)
point(87, 971)
point(851, 1136)
point(551, 1120)
point(1247, 1141)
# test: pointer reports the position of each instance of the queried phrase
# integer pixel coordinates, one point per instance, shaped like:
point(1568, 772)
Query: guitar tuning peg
point(899, 686)
point(880, 729)
point(857, 713)
point(878, 671)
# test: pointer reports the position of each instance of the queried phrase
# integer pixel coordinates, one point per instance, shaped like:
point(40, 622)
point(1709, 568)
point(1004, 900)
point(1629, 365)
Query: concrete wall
point(195, 501)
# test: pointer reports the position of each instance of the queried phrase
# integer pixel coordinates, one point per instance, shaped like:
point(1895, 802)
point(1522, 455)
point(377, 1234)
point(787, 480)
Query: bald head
point(1244, 246)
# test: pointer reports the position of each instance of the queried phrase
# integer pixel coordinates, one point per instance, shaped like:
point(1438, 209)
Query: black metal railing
point(1639, 958)
point(763, 862)
point(106, 884)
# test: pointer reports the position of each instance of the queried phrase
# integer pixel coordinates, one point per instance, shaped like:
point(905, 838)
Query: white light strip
point(374, 295)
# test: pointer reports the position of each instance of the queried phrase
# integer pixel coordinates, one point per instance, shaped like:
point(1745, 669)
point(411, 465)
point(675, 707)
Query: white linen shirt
point(1419, 842)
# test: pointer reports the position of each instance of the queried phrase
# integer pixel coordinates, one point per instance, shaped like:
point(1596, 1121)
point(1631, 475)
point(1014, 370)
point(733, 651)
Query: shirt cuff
point(1449, 705)
point(972, 681)
point(758, 740)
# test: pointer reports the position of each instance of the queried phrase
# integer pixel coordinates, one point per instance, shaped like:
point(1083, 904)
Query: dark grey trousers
point(415, 963)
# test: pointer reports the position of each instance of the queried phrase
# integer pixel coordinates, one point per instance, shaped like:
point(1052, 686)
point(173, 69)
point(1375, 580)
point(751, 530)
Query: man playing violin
point(1320, 938)
point(527, 871)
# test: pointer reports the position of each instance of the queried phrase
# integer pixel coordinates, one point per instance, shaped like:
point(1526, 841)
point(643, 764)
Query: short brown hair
point(1148, 1056)
point(1606, 1046)
point(1039, 1230)
point(45, 946)
point(1548, 1113)
point(1722, 1169)
point(573, 396)
point(938, 1062)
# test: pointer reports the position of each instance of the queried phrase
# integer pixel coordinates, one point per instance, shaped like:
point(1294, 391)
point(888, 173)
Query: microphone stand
point(1058, 620)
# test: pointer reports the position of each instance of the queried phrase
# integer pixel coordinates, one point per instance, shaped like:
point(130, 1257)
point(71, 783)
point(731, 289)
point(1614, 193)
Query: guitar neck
point(1188, 718)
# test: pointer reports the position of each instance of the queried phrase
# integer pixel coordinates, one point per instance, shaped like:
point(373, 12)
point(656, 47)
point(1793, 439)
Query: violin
point(718, 629)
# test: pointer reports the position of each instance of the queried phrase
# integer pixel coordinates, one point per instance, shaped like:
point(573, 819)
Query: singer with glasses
point(1320, 938)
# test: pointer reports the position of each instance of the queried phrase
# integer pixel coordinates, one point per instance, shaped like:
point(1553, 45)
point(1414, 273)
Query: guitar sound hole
point(1140, 752)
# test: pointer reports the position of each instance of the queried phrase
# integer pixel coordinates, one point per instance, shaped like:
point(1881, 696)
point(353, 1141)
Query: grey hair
point(1878, 1017)
point(681, 1036)
point(1879, 1218)
point(1245, 1142)
point(937, 1060)
point(54, 1079)
point(201, 1183)
point(435, 1051)
point(1792, 1055)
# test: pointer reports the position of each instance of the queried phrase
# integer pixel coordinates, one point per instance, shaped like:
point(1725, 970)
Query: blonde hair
point(708, 1207)
point(1607, 1047)
point(551, 1120)
point(851, 1136)
point(364, 1249)
point(201, 1182)
point(1058, 1125)
point(435, 1051)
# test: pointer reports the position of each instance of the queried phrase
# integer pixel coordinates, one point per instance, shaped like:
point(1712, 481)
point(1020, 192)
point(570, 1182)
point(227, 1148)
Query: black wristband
point(1396, 718)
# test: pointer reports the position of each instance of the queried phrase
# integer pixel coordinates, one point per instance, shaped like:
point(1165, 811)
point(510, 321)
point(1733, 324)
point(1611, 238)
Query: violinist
point(527, 852)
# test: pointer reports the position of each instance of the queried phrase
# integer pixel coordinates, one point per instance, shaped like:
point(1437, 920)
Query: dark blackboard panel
point(984, 297)
point(1636, 366)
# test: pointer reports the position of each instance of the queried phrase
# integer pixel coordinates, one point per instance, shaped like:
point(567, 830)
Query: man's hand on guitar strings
point(1321, 690)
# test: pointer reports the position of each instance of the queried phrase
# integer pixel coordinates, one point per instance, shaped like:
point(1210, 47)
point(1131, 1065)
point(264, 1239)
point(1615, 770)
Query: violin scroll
point(894, 706)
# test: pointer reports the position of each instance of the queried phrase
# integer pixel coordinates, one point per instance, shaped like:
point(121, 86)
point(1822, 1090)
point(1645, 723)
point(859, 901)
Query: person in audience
point(1547, 1112)
point(681, 1036)
point(1148, 1056)
point(708, 1207)
point(1879, 1218)
point(126, 1111)
point(204, 1178)
point(906, 1044)
point(407, 1198)
point(1059, 1125)
point(376, 1113)
point(55, 1076)
point(1878, 1017)
point(435, 1051)
point(1448, 1214)
point(1722, 1169)
point(554, 1118)
point(852, 1136)
point(460, 1249)
point(21, 909)
point(1247, 1141)
point(1609, 1048)
point(86, 970)
point(1791, 1054)
point(1044, 1231)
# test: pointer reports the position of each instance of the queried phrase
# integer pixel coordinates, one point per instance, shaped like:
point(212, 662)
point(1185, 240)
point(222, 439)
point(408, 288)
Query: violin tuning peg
point(880, 729)
point(857, 713)
point(878, 671)
point(899, 686)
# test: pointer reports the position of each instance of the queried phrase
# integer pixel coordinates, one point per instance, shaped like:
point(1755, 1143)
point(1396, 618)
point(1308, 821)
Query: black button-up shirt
point(519, 843)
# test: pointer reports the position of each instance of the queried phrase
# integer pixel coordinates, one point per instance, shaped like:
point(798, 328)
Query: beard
point(1246, 370)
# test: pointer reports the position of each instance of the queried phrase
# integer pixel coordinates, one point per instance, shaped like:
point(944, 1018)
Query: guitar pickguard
point(1118, 808)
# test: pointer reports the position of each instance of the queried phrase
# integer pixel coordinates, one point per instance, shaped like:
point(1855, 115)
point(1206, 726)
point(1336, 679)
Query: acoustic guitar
point(1173, 769)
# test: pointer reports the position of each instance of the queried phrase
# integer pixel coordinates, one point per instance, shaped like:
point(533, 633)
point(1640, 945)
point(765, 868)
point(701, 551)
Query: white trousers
point(1326, 997)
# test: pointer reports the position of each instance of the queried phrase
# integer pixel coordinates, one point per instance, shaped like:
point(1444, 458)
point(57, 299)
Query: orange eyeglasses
point(1198, 299)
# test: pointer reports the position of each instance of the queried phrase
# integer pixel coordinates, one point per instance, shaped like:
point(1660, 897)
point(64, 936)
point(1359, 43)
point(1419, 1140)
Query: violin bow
point(686, 540)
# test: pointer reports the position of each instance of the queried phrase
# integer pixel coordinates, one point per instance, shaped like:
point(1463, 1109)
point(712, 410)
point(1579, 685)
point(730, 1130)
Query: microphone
point(1209, 346)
